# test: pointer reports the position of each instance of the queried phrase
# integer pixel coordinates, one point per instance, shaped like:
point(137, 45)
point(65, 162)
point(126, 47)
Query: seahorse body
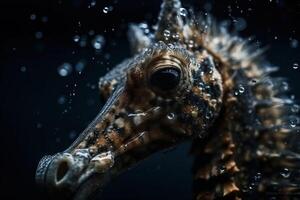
point(189, 79)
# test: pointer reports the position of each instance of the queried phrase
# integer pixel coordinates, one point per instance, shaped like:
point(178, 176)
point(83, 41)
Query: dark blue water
point(43, 112)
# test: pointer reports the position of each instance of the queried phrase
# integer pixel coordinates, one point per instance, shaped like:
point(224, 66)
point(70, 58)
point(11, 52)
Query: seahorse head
point(168, 92)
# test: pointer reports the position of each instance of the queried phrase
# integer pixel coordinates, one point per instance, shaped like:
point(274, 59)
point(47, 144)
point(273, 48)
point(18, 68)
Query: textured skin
point(242, 123)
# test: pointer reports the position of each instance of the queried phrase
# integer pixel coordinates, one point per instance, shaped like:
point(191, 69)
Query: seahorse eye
point(165, 79)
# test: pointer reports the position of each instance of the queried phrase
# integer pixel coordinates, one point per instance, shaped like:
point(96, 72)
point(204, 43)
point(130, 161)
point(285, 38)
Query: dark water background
point(42, 112)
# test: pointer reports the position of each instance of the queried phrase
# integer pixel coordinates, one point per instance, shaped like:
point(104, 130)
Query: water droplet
point(191, 44)
point(107, 9)
point(175, 36)
point(144, 27)
point(38, 35)
point(65, 69)
point(209, 115)
point(295, 66)
point(183, 12)
point(167, 33)
point(285, 173)
point(171, 116)
point(241, 89)
point(293, 121)
point(98, 42)
point(76, 38)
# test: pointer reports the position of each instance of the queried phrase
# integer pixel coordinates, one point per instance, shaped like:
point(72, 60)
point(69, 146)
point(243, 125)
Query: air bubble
point(171, 116)
point(98, 42)
point(107, 9)
point(144, 27)
point(176, 36)
point(191, 44)
point(183, 12)
point(241, 89)
point(293, 121)
point(295, 66)
point(65, 69)
point(209, 115)
point(285, 173)
point(167, 33)
point(76, 38)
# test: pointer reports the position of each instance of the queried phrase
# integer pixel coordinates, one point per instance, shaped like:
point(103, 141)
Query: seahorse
point(188, 79)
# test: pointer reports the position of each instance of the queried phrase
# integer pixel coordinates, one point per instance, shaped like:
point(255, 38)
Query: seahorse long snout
point(60, 171)
point(65, 172)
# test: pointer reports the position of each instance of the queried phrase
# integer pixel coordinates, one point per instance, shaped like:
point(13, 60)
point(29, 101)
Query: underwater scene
point(161, 99)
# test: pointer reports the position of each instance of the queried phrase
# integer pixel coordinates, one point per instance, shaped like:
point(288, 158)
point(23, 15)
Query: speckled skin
point(237, 116)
